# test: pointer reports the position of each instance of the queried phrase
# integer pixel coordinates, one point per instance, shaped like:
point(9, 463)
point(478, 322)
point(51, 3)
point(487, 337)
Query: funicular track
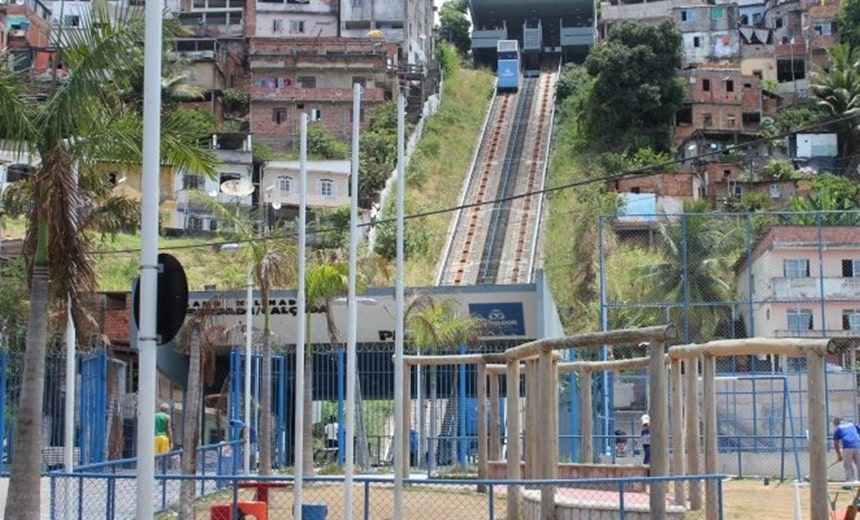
point(494, 235)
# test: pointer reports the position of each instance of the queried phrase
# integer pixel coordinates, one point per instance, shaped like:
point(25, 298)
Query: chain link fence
point(730, 276)
point(113, 496)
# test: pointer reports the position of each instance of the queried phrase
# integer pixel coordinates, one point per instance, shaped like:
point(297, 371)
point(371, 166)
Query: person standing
point(330, 431)
point(846, 444)
point(645, 439)
point(163, 430)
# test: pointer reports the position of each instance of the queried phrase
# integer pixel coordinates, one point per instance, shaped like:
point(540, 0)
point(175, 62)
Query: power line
point(642, 171)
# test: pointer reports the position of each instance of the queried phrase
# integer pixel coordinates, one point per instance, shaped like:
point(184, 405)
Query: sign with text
point(502, 319)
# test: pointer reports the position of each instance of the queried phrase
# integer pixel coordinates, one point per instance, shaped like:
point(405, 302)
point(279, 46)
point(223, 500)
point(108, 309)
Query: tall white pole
point(249, 339)
point(69, 415)
point(146, 340)
point(352, 307)
point(300, 325)
point(399, 419)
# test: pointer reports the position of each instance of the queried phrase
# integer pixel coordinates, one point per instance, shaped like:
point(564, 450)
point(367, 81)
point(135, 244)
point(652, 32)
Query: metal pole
point(352, 308)
point(300, 325)
point(399, 419)
point(146, 340)
point(69, 412)
point(249, 339)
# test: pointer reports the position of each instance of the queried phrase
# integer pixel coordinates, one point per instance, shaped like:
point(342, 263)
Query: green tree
point(272, 263)
point(325, 280)
point(848, 23)
point(432, 325)
point(695, 272)
point(636, 91)
point(72, 126)
point(837, 92)
point(454, 26)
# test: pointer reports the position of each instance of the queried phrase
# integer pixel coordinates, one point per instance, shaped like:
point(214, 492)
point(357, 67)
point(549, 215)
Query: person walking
point(645, 439)
point(846, 444)
point(331, 430)
point(163, 430)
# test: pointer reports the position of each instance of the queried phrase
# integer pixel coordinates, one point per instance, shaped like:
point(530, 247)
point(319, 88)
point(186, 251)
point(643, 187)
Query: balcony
point(805, 289)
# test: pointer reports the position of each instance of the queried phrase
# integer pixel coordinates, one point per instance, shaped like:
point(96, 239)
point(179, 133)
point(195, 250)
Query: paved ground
point(46, 496)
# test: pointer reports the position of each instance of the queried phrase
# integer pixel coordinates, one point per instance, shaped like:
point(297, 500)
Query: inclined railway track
point(494, 236)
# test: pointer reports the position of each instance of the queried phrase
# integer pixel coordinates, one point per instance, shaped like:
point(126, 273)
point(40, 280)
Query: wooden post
point(481, 392)
point(547, 456)
point(817, 437)
point(678, 432)
point(658, 398)
point(533, 437)
point(709, 370)
point(495, 434)
point(692, 431)
point(512, 438)
point(586, 447)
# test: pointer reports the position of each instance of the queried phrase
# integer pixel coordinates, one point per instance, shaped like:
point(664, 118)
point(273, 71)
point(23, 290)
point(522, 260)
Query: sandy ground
point(46, 495)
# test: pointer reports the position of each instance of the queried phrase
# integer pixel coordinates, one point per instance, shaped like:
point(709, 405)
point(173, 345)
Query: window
point(730, 121)
point(850, 268)
point(272, 82)
point(297, 26)
point(316, 114)
point(213, 225)
point(795, 268)
point(756, 18)
point(777, 23)
point(285, 184)
point(851, 319)
point(279, 115)
point(697, 42)
point(360, 80)
point(277, 26)
point(707, 120)
point(326, 187)
point(307, 81)
point(194, 222)
point(717, 13)
point(192, 182)
point(686, 16)
point(71, 20)
point(737, 190)
point(799, 319)
point(730, 86)
point(706, 85)
point(824, 28)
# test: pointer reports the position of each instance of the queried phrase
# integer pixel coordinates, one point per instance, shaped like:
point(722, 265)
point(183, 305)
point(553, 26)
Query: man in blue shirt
point(846, 444)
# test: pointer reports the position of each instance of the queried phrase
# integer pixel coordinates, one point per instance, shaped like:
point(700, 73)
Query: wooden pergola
point(539, 362)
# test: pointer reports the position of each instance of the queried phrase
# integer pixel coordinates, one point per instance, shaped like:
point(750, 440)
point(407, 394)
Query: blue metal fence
point(96, 495)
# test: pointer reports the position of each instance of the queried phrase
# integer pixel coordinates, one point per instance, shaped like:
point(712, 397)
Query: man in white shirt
point(330, 431)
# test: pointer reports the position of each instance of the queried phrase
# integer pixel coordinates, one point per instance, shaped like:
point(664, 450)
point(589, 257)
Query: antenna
point(237, 188)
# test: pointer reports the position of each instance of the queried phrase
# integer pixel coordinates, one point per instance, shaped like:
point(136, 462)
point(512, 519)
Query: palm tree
point(696, 268)
point(272, 261)
point(324, 281)
point(838, 92)
point(198, 337)
point(433, 325)
point(70, 126)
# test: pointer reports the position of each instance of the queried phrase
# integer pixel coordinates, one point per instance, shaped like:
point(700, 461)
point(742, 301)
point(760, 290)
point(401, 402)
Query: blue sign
point(502, 319)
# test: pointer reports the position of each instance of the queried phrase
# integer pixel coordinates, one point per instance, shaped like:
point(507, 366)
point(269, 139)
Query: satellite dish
point(237, 188)
point(276, 205)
